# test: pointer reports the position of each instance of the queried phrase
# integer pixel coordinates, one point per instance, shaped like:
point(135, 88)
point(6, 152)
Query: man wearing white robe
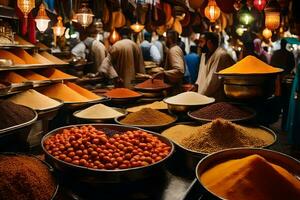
point(213, 59)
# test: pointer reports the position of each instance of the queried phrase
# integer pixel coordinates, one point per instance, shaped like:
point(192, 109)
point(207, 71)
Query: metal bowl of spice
point(229, 111)
point(195, 142)
point(249, 78)
point(147, 118)
point(16, 169)
point(123, 95)
point(106, 153)
point(268, 174)
point(186, 101)
point(98, 113)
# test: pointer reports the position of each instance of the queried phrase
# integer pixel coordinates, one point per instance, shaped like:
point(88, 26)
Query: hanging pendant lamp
point(42, 19)
point(212, 11)
point(259, 4)
point(84, 15)
point(59, 28)
point(272, 15)
point(137, 27)
point(26, 6)
point(245, 16)
point(267, 33)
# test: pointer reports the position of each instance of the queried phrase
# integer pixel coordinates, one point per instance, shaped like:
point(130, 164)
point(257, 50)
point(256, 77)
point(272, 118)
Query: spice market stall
point(91, 109)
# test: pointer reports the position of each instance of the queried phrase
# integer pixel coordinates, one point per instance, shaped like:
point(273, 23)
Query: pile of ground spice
point(152, 84)
point(26, 178)
point(21, 53)
point(13, 114)
point(64, 93)
point(122, 93)
point(52, 58)
point(189, 98)
point(147, 116)
point(34, 100)
point(98, 111)
point(221, 110)
point(250, 65)
point(53, 73)
point(84, 92)
point(12, 77)
point(251, 177)
point(30, 75)
point(157, 105)
point(218, 135)
point(10, 56)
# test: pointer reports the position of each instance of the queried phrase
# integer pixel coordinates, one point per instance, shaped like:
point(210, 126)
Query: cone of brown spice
point(147, 116)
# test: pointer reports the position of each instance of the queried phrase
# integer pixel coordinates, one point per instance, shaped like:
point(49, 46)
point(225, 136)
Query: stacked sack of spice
point(218, 135)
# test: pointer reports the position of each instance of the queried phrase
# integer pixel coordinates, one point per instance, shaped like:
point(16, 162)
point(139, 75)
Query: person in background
point(283, 59)
point(149, 50)
point(259, 51)
point(193, 61)
point(174, 66)
point(249, 50)
point(123, 62)
point(159, 43)
point(92, 48)
point(213, 59)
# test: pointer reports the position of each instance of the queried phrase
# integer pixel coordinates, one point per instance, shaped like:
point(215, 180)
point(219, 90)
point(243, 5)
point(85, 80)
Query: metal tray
point(16, 87)
point(127, 100)
point(152, 89)
point(76, 105)
point(148, 127)
point(251, 116)
point(42, 161)
point(5, 90)
point(40, 83)
point(59, 80)
point(290, 164)
point(94, 176)
point(98, 120)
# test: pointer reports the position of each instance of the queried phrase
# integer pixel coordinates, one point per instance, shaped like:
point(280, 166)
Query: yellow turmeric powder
point(250, 65)
point(251, 177)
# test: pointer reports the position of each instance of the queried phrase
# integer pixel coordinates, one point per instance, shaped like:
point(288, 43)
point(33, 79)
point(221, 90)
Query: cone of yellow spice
point(249, 178)
point(250, 65)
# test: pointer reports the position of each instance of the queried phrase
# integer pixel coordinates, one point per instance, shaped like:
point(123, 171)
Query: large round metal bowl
point(43, 162)
point(126, 100)
point(50, 113)
point(98, 120)
point(97, 176)
point(153, 127)
point(190, 158)
point(290, 164)
point(180, 108)
point(247, 87)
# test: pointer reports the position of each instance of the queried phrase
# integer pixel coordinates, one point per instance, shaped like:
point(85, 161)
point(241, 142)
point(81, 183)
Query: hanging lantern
point(267, 33)
point(84, 15)
point(240, 30)
point(245, 16)
point(237, 5)
point(259, 4)
point(59, 29)
point(212, 11)
point(272, 20)
point(272, 15)
point(42, 19)
point(136, 27)
point(26, 6)
point(114, 36)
